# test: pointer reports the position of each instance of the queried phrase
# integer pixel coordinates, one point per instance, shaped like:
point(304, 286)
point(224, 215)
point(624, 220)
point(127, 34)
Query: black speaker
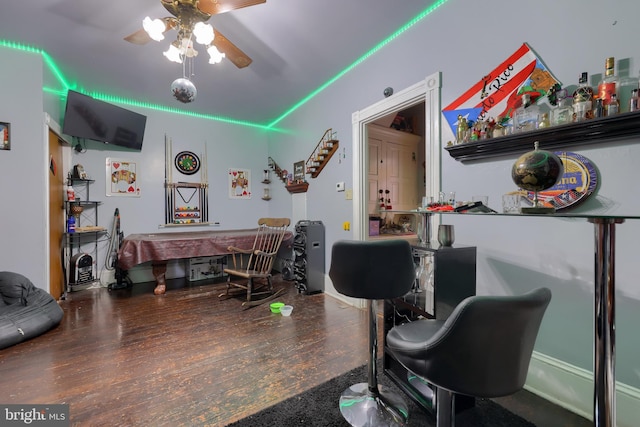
point(287, 270)
point(308, 265)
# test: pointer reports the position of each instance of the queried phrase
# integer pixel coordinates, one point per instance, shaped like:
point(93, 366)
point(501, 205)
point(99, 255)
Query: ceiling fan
point(187, 15)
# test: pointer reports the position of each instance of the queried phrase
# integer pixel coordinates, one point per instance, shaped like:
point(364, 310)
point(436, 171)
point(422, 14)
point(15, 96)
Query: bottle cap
point(584, 77)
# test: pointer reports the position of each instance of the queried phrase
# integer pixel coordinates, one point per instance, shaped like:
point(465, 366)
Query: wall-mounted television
point(87, 117)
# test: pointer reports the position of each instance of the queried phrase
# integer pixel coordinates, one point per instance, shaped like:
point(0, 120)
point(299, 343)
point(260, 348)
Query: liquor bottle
point(582, 99)
point(634, 104)
point(609, 84)
point(613, 107)
point(526, 116)
point(563, 112)
point(598, 110)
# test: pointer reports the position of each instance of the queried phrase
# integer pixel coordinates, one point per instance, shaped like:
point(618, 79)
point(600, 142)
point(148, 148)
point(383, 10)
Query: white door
point(402, 173)
point(376, 175)
point(393, 169)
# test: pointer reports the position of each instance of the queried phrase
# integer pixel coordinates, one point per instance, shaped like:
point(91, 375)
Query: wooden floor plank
point(183, 358)
point(187, 358)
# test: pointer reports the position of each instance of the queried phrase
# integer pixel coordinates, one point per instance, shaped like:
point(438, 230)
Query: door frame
point(427, 91)
point(49, 124)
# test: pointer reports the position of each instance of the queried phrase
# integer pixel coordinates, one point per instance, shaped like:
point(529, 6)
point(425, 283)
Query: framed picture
point(122, 178)
point(5, 136)
point(298, 171)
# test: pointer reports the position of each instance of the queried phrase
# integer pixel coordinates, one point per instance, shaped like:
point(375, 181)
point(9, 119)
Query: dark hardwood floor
point(131, 358)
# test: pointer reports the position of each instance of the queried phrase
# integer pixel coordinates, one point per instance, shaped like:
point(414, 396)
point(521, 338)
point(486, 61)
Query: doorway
point(427, 92)
point(59, 153)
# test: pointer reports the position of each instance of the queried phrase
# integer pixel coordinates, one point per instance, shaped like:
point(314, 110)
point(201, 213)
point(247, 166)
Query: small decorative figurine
point(462, 129)
point(544, 121)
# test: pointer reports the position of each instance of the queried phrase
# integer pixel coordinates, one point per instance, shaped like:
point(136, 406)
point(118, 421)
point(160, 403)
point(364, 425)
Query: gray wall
point(23, 169)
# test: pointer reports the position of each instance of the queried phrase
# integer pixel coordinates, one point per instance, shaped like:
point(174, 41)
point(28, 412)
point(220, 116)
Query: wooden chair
point(247, 265)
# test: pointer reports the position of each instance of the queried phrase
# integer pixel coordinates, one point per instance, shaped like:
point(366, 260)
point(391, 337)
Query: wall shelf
point(301, 187)
point(280, 173)
point(81, 250)
point(594, 131)
point(322, 153)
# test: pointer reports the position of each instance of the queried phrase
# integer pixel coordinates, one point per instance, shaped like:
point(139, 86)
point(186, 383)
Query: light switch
point(348, 195)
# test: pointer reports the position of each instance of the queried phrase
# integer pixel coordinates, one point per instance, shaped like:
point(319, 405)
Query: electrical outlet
point(340, 186)
point(348, 195)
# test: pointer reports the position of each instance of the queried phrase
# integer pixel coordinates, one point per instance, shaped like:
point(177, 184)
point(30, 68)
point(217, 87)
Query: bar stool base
point(363, 408)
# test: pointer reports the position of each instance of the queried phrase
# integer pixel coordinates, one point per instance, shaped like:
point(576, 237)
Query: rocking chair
point(251, 268)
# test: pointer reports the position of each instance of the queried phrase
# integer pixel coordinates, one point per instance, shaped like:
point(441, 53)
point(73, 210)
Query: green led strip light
point(57, 73)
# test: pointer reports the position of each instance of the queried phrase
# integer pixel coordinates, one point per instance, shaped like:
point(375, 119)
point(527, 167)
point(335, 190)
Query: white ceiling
point(296, 46)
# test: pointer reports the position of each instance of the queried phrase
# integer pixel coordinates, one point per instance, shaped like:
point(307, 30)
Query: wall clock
point(187, 162)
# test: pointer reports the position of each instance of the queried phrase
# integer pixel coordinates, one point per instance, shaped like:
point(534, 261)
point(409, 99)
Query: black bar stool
point(483, 349)
point(372, 270)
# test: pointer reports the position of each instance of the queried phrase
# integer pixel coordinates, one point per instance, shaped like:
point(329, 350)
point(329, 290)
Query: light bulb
point(155, 28)
point(173, 54)
point(215, 55)
point(204, 33)
point(187, 48)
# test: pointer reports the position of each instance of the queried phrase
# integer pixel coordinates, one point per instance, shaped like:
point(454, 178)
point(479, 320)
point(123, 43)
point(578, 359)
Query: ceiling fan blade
point(231, 51)
point(213, 7)
point(142, 37)
point(139, 37)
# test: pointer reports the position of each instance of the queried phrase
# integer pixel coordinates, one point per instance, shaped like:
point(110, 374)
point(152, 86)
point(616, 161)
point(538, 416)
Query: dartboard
point(187, 162)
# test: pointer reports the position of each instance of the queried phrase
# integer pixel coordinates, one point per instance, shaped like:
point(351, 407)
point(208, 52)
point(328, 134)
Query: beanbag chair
point(25, 310)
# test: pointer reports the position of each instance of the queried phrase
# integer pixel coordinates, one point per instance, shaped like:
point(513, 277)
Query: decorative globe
point(537, 170)
point(183, 90)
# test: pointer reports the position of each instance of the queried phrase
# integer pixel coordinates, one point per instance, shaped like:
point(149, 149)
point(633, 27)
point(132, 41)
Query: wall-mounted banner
point(498, 93)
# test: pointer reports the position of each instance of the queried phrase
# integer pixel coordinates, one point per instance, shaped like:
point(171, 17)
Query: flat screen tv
point(87, 117)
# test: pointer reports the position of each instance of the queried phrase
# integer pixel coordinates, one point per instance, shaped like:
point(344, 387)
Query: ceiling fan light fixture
point(155, 28)
point(189, 18)
point(173, 54)
point(204, 33)
point(215, 56)
point(186, 48)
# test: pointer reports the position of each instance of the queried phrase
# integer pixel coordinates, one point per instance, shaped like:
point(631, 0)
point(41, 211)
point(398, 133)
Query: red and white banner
point(498, 93)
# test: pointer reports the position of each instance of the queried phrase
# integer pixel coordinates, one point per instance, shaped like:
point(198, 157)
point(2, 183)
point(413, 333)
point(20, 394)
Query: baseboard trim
point(572, 388)
point(358, 303)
